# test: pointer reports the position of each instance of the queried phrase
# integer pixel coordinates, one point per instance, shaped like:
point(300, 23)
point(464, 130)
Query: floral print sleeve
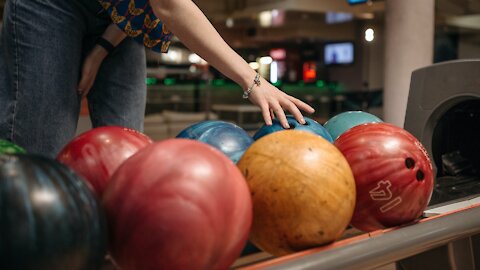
point(136, 19)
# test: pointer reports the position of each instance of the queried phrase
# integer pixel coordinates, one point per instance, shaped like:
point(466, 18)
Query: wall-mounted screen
point(341, 53)
point(353, 2)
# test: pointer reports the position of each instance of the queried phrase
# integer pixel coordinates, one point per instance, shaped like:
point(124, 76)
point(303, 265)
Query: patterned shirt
point(136, 19)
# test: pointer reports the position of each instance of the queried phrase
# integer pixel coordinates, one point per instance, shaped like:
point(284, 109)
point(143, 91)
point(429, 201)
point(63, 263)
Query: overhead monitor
point(354, 2)
point(340, 53)
point(338, 17)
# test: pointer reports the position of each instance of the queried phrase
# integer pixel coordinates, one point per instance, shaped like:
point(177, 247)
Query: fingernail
point(287, 126)
point(302, 121)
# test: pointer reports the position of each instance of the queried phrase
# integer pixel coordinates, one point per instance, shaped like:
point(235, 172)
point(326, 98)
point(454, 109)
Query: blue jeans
point(42, 47)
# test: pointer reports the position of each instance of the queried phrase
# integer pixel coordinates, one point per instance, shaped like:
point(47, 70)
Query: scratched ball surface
point(393, 175)
point(310, 125)
point(97, 153)
point(302, 189)
point(229, 138)
point(177, 204)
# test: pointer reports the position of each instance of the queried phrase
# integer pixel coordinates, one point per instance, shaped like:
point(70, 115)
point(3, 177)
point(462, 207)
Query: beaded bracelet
point(256, 82)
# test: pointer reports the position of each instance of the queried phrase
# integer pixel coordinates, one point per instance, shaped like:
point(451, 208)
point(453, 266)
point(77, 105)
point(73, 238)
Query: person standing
point(55, 52)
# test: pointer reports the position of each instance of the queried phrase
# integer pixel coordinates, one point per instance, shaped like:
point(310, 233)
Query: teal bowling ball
point(311, 126)
point(229, 138)
point(340, 123)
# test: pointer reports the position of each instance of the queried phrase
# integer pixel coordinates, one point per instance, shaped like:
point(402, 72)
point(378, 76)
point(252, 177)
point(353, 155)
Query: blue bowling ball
point(340, 123)
point(226, 137)
point(311, 126)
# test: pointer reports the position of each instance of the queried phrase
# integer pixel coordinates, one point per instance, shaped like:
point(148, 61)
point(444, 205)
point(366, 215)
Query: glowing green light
point(218, 82)
point(151, 81)
point(320, 84)
point(169, 81)
point(277, 83)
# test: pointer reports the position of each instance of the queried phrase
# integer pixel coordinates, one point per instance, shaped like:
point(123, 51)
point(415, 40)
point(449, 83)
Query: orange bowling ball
point(302, 188)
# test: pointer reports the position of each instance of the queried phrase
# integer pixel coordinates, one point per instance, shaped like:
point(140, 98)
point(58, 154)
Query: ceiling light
point(229, 22)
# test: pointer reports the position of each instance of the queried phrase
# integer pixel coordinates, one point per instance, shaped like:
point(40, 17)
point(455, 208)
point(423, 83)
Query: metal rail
point(382, 249)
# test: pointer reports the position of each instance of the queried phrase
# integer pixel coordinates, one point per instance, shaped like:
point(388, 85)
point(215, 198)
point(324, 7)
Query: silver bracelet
point(256, 82)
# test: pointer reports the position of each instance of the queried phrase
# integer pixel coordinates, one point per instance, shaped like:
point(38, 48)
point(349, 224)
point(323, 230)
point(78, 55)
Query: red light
point(309, 72)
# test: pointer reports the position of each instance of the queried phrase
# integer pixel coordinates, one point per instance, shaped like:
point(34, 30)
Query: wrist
point(105, 44)
point(256, 82)
point(99, 52)
point(247, 79)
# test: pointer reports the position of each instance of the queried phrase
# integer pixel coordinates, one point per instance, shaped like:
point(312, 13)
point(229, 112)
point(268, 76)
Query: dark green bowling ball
point(6, 147)
point(49, 218)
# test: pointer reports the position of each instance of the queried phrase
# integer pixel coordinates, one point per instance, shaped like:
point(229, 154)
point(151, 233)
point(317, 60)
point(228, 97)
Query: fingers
point(85, 84)
point(302, 105)
point(269, 111)
point(267, 115)
point(90, 67)
point(274, 103)
point(292, 108)
point(280, 114)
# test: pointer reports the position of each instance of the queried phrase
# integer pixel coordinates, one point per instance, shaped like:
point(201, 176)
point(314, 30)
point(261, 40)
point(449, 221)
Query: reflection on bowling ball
point(7, 147)
point(393, 175)
point(97, 153)
point(229, 138)
point(177, 204)
point(340, 123)
point(311, 126)
point(302, 188)
point(50, 219)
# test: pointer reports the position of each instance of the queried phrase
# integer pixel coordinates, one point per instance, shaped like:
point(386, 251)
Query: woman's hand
point(195, 31)
point(274, 102)
point(113, 35)
point(90, 68)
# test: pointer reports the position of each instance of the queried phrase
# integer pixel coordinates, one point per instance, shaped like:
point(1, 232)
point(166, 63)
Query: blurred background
point(329, 53)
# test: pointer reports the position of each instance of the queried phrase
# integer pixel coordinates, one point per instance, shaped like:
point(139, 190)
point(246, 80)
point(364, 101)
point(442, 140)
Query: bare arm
point(114, 34)
point(191, 26)
point(92, 62)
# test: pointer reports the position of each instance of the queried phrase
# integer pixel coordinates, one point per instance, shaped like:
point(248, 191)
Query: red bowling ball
point(97, 153)
point(177, 204)
point(393, 175)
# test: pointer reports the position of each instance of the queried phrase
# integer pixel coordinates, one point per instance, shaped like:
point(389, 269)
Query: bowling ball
point(177, 204)
point(302, 189)
point(229, 138)
point(311, 126)
point(340, 123)
point(6, 147)
point(49, 218)
point(393, 175)
point(97, 153)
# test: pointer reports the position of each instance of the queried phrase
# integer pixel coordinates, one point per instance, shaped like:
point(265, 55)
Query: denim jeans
point(42, 47)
